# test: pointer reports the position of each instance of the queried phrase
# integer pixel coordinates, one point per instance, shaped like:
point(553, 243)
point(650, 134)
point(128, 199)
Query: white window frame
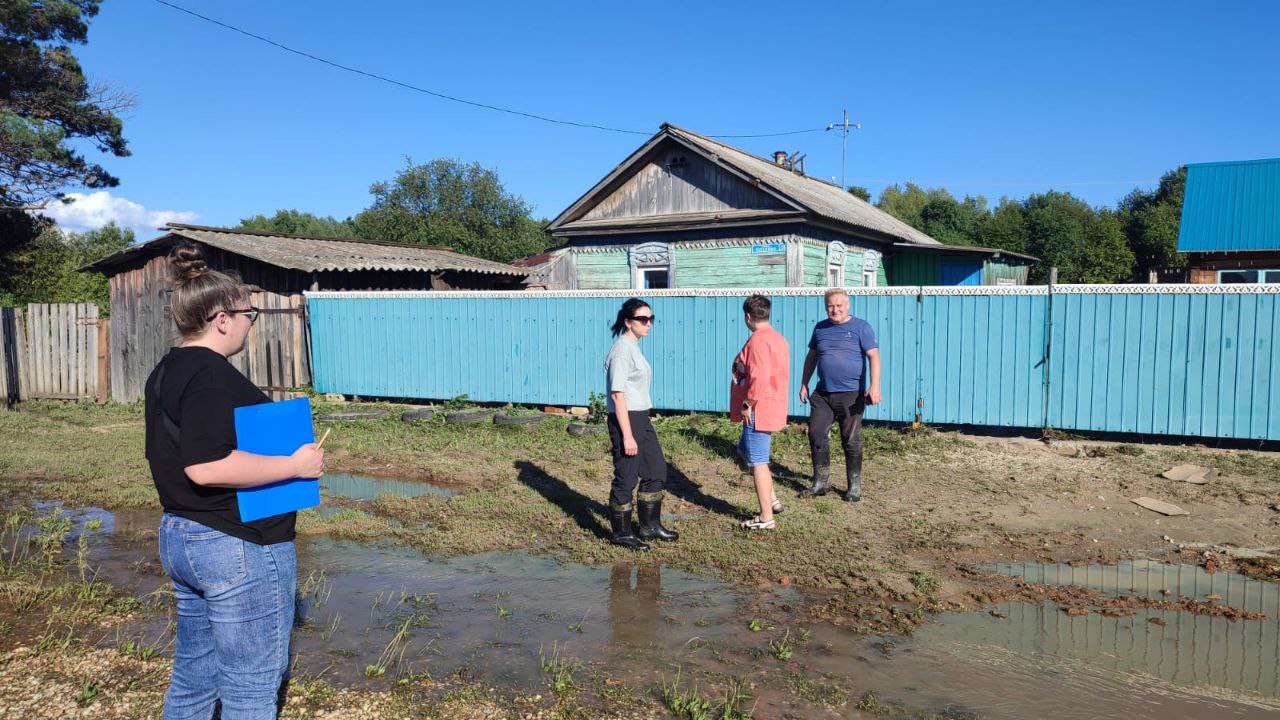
point(869, 278)
point(1261, 274)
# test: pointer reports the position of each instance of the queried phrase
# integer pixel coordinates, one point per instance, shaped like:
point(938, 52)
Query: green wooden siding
point(1005, 268)
point(882, 277)
point(734, 266)
point(914, 268)
point(815, 265)
point(604, 270)
point(853, 269)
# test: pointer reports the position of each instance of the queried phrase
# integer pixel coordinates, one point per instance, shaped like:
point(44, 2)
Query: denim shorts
point(753, 446)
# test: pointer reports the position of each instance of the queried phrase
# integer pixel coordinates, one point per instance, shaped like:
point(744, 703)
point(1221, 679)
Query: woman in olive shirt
point(636, 452)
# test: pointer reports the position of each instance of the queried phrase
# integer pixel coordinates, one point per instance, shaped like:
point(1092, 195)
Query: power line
point(440, 95)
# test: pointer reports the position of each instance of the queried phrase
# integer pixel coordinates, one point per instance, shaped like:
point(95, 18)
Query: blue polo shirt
point(841, 349)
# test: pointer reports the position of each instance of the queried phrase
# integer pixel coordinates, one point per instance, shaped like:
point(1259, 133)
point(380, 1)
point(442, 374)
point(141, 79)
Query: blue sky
point(997, 99)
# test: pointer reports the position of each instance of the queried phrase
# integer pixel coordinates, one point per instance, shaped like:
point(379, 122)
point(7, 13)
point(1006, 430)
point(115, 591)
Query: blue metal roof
point(1231, 206)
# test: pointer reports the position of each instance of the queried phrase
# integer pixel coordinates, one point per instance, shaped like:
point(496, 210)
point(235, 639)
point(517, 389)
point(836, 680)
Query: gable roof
point(310, 253)
point(809, 196)
point(1231, 206)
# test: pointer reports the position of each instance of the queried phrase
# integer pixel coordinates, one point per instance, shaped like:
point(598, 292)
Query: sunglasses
point(252, 312)
point(645, 319)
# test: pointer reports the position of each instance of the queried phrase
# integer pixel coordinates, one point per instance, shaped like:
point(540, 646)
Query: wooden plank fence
point(53, 350)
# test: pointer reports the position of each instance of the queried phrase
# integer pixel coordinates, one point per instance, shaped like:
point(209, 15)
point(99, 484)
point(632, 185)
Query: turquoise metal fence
point(1163, 359)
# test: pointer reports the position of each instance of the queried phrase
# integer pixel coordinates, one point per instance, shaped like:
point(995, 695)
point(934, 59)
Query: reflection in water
point(1148, 578)
point(634, 613)
point(1037, 662)
point(360, 487)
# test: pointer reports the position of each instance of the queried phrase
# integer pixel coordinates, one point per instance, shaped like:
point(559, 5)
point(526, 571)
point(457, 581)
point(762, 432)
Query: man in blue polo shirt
point(841, 347)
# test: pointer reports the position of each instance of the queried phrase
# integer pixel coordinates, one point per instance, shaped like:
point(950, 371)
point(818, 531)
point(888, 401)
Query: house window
point(654, 278)
point(1249, 276)
point(651, 266)
point(836, 252)
point(870, 267)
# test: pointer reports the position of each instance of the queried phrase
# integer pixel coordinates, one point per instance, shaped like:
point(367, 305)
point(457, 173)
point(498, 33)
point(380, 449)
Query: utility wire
point(440, 95)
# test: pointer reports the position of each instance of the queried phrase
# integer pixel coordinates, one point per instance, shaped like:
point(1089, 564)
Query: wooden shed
point(278, 268)
point(687, 211)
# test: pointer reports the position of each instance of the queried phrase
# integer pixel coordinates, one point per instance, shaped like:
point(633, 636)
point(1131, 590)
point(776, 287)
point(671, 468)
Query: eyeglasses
point(252, 313)
point(645, 319)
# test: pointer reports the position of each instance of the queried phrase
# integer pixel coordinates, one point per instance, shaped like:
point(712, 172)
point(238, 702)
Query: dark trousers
point(648, 466)
point(827, 408)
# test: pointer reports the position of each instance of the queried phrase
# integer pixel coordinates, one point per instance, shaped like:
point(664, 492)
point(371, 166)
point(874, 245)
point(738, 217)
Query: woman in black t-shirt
point(234, 581)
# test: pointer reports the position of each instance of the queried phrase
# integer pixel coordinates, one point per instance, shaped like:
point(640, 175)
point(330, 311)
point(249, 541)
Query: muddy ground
point(938, 506)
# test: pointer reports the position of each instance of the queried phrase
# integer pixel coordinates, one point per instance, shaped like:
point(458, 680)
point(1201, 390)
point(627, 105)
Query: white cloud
point(94, 210)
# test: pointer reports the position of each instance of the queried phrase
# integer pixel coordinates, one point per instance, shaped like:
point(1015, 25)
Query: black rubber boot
point(650, 515)
point(821, 482)
point(853, 472)
point(620, 523)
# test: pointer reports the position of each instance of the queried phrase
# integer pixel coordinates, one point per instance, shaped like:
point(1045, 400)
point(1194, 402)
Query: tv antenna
point(844, 126)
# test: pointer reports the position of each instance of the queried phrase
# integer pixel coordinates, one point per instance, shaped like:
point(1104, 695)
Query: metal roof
point(308, 253)
point(1231, 206)
point(819, 199)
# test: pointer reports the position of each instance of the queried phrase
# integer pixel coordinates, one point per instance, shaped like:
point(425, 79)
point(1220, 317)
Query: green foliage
point(860, 192)
point(297, 222)
point(1086, 244)
point(48, 110)
point(1105, 254)
point(1151, 221)
point(48, 269)
point(461, 206)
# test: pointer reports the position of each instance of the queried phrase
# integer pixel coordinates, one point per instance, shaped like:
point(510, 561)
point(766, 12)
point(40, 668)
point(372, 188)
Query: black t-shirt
point(200, 391)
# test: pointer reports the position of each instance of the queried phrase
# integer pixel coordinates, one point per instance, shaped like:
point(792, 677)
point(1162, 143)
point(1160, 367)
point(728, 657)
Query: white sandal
point(756, 523)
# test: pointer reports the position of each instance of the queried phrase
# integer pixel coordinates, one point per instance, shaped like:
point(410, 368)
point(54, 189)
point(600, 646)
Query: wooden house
point(1230, 226)
point(687, 211)
point(278, 268)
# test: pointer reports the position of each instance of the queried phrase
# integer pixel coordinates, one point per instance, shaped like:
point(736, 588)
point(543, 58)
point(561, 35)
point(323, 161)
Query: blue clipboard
point(277, 428)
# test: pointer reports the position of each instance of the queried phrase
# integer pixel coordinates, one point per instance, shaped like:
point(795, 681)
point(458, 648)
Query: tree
point(860, 192)
point(47, 270)
point(48, 110)
point(1105, 256)
point(461, 206)
point(297, 222)
point(1056, 224)
point(1006, 229)
point(904, 203)
point(1151, 223)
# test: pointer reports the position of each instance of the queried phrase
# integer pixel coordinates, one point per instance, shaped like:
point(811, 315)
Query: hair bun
point(188, 263)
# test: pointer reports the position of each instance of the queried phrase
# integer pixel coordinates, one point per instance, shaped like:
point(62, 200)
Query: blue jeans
point(754, 444)
point(235, 614)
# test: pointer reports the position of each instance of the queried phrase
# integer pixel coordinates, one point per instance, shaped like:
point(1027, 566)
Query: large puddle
point(516, 619)
point(361, 487)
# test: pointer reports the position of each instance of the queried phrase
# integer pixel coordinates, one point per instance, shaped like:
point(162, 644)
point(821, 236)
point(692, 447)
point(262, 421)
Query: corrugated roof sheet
point(317, 254)
point(1231, 206)
point(817, 199)
point(821, 198)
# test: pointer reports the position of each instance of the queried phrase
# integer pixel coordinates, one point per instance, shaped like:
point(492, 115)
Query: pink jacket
point(761, 374)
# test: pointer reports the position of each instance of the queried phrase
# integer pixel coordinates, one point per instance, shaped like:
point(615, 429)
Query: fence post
point(919, 358)
point(103, 391)
point(1048, 347)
